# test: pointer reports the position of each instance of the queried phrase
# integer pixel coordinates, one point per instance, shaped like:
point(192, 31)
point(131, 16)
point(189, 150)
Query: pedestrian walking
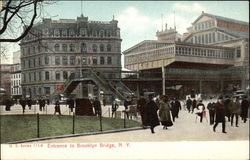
point(220, 115)
point(29, 103)
point(211, 110)
point(164, 112)
point(127, 102)
point(174, 109)
point(178, 107)
point(151, 111)
point(114, 108)
point(189, 104)
point(235, 110)
point(8, 102)
point(97, 107)
point(194, 102)
point(71, 104)
point(244, 109)
point(57, 107)
point(22, 102)
point(227, 110)
point(200, 110)
point(141, 103)
point(42, 104)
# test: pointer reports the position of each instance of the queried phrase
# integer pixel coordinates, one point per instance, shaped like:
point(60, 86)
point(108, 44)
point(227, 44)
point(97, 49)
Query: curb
point(76, 135)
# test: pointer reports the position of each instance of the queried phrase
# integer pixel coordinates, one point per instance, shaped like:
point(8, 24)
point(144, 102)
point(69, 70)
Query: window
point(65, 75)
point(72, 48)
point(101, 33)
point(34, 62)
point(71, 33)
point(47, 90)
point(83, 32)
point(46, 60)
point(39, 48)
point(34, 76)
point(29, 63)
point(108, 33)
point(109, 61)
point(102, 61)
point(57, 75)
point(29, 77)
point(46, 75)
point(109, 48)
point(65, 60)
point(45, 47)
point(72, 60)
point(83, 48)
point(64, 33)
point(238, 52)
point(84, 60)
point(64, 47)
point(95, 60)
point(219, 36)
point(56, 32)
point(94, 33)
point(56, 47)
point(101, 47)
point(94, 47)
point(57, 60)
point(28, 51)
point(40, 76)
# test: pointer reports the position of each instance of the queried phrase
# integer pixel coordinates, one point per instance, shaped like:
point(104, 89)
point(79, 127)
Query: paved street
point(184, 129)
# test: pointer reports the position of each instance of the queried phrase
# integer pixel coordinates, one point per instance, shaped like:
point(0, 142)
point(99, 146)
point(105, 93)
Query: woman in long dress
point(164, 112)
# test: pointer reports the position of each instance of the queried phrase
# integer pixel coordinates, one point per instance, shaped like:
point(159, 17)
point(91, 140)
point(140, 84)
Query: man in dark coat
point(244, 109)
point(178, 106)
point(226, 104)
point(97, 107)
point(141, 103)
point(220, 115)
point(189, 104)
point(151, 111)
point(29, 103)
point(114, 107)
point(126, 104)
point(211, 109)
point(8, 103)
point(57, 107)
point(22, 102)
point(42, 104)
point(71, 104)
point(194, 102)
point(174, 109)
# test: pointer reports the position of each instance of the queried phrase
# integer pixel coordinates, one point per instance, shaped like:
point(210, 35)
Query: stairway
point(116, 87)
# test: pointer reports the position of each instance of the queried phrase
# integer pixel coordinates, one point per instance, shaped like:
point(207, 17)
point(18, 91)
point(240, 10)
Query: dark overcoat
point(141, 104)
point(151, 111)
point(219, 112)
point(244, 108)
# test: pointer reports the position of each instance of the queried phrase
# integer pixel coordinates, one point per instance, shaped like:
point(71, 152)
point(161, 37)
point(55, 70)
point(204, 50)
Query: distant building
point(16, 89)
point(55, 50)
point(212, 57)
point(5, 77)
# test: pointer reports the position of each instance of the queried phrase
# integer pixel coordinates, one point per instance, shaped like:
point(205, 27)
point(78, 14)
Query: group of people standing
point(28, 101)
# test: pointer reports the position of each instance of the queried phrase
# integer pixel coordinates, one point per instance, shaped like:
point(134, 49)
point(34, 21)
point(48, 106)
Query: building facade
point(5, 77)
point(16, 89)
point(206, 56)
point(54, 50)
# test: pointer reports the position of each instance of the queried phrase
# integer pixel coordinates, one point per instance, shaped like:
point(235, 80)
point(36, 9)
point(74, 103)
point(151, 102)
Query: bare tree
point(18, 17)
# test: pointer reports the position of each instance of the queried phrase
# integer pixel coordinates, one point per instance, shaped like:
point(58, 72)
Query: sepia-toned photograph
point(124, 80)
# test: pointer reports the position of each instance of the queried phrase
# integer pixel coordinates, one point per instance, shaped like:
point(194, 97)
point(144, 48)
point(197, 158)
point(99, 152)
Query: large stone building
point(212, 57)
point(54, 50)
point(16, 89)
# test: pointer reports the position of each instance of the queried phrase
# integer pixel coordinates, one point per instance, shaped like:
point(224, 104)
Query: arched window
point(94, 47)
point(56, 47)
point(72, 48)
point(65, 47)
point(101, 47)
point(56, 33)
point(64, 33)
point(101, 33)
point(109, 48)
point(83, 48)
point(108, 33)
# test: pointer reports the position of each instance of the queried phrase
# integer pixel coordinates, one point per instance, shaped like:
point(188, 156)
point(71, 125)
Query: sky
point(140, 20)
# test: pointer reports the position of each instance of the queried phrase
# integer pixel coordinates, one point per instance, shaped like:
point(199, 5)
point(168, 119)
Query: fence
point(34, 123)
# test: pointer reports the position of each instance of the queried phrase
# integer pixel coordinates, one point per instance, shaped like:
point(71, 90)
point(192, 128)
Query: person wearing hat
point(244, 109)
point(164, 112)
point(235, 109)
point(151, 111)
point(211, 109)
point(200, 110)
point(189, 104)
point(227, 102)
point(141, 103)
point(220, 115)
